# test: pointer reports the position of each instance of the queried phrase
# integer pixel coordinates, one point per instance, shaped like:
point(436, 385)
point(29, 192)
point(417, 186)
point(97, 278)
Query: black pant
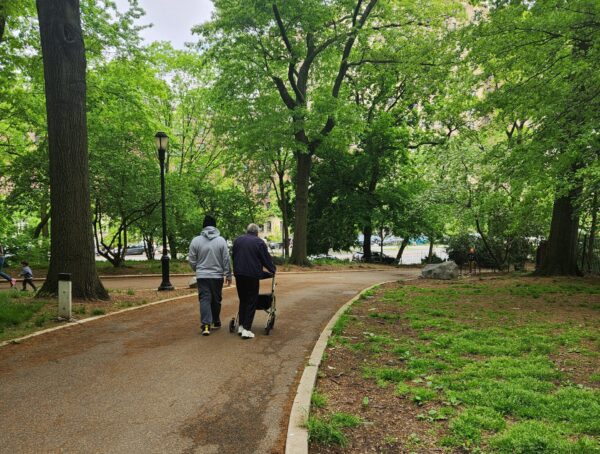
point(29, 280)
point(210, 295)
point(247, 290)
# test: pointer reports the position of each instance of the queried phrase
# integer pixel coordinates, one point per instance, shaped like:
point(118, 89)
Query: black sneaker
point(215, 325)
point(205, 330)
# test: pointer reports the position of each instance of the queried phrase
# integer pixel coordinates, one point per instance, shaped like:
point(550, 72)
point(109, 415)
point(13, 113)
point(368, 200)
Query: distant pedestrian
point(209, 258)
point(250, 256)
point(27, 276)
point(472, 259)
point(5, 276)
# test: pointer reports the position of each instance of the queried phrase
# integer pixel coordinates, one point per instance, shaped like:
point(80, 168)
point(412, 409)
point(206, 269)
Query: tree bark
point(430, 254)
point(367, 233)
point(561, 254)
point(401, 250)
point(172, 246)
point(283, 204)
point(2, 26)
point(285, 217)
point(303, 168)
point(72, 247)
point(42, 227)
point(592, 239)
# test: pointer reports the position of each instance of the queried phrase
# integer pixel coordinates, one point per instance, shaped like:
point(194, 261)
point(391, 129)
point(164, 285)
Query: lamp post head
point(162, 142)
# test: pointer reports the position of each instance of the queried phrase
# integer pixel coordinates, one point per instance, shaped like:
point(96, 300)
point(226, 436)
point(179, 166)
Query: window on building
point(268, 226)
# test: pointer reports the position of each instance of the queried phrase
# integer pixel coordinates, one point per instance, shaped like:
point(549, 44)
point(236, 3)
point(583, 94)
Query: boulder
point(192, 283)
point(445, 270)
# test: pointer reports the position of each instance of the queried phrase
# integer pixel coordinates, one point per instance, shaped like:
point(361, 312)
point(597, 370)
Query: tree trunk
point(42, 227)
point(367, 233)
point(149, 246)
point(401, 251)
point(2, 25)
point(172, 246)
point(72, 247)
point(430, 254)
point(561, 254)
point(303, 167)
point(282, 202)
point(592, 239)
point(487, 246)
point(285, 218)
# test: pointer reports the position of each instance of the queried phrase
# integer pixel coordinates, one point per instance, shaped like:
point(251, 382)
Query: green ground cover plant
point(13, 313)
point(500, 366)
point(329, 430)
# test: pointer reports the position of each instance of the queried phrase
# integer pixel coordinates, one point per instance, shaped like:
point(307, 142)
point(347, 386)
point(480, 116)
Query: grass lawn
point(499, 365)
point(22, 314)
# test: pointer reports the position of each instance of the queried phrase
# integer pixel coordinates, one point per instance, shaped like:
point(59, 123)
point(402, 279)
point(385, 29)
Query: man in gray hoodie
point(209, 258)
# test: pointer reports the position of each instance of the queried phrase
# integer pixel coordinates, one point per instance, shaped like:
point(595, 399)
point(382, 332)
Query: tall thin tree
point(72, 248)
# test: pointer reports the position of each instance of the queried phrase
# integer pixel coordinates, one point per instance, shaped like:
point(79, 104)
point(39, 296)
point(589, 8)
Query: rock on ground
point(445, 270)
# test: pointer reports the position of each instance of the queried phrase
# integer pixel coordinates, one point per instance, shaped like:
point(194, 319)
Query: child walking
point(27, 276)
point(3, 274)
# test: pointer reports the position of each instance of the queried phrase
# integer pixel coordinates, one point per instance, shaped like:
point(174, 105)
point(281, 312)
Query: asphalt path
point(146, 381)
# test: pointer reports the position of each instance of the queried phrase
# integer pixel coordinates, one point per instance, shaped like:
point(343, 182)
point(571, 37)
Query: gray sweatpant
point(210, 294)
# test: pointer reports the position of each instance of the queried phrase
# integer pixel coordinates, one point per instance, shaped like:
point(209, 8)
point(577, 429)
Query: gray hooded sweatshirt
point(209, 255)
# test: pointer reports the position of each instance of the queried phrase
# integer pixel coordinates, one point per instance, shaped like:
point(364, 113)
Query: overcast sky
point(172, 19)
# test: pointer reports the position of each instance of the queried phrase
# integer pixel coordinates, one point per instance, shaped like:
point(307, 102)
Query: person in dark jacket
point(250, 256)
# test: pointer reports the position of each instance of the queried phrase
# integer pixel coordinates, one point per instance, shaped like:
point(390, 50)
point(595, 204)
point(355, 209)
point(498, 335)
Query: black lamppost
point(162, 140)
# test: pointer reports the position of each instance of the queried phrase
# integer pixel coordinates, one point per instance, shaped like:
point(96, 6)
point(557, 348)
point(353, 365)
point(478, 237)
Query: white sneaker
point(247, 334)
point(240, 330)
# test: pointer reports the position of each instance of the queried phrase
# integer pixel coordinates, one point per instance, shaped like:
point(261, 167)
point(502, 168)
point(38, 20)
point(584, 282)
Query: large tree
point(305, 50)
point(72, 248)
point(539, 63)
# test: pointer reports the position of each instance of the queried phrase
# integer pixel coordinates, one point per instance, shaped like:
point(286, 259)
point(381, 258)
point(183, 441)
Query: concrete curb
point(99, 317)
point(297, 434)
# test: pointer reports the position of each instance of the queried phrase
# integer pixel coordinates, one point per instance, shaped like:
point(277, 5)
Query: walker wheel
point(270, 324)
point(272, 321)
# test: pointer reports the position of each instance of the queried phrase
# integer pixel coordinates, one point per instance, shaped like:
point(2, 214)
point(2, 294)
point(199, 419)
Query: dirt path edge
point(297, 433)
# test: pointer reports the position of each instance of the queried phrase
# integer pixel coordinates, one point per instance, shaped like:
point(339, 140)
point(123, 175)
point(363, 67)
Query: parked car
point(135, 249)
point(376, 257)
point(357, 256)
point(322, 257)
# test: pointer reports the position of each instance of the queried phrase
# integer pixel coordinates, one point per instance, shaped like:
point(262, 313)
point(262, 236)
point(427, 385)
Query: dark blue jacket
point(250, 255)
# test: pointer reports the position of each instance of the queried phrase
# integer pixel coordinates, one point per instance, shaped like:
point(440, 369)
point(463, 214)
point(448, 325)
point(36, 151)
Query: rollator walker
point(266, 302)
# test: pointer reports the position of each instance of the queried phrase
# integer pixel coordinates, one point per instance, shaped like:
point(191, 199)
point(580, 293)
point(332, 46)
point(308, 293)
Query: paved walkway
point(146, 381)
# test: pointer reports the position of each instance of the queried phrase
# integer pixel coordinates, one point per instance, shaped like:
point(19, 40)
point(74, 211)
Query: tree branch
point(284, 93)
point(2, 27)
point(282, 31)
point(343, 69)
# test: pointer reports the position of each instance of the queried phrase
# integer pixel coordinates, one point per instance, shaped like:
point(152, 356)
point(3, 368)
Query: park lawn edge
point(341, 360)
point(297, 432)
